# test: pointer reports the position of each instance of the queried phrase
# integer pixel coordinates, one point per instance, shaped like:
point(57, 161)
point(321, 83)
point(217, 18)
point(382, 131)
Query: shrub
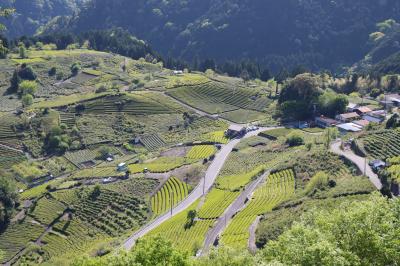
point(52, 71)
point(28, 87)
point(27, 100)
point(75, 68)
point(318, 181)
point(295, 139)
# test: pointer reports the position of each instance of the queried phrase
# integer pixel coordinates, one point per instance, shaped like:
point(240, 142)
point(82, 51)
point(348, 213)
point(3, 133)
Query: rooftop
point(350, 127)
point(364, 109)
point(349, 115)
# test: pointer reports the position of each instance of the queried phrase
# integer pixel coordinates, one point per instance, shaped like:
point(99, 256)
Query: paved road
point(224, 220)
point(203, 187)
point(359, 162)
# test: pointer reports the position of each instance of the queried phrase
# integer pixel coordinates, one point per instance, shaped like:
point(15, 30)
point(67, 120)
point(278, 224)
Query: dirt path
point(224, 220)
point(252, 238)
point(360, 162)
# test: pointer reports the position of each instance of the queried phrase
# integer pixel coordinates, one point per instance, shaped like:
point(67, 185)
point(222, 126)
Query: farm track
point(200, 190)
point(234, 208)
point(359, 162)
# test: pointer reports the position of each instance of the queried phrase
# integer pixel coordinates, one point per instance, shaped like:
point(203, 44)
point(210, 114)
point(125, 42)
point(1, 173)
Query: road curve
point(225, 218)
point(360, 162)
point(210, 177)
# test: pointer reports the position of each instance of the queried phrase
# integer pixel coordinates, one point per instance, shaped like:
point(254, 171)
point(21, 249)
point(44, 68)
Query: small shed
point(349, 127)
point(235, 131)
point(122, 167)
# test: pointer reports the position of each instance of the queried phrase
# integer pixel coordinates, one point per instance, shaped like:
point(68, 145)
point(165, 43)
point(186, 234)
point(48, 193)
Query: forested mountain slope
point(318, 33)
point(31, 14)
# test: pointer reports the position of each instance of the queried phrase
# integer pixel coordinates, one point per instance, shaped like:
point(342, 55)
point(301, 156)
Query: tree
point(191, 216)
point(22, 51)
point(20, 74)
point(318, 182)
point(357, 233)
point(8, 200)
point(154, 251)
point(4, 12)
point(27, 100)
point(75, 68)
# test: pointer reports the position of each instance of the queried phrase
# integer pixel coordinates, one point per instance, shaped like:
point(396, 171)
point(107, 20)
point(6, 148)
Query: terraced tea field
point(161, 165)
point(152, 142)
point(201, 152)
point(171, 193)
point(382, 144)
point(235, 182)
point(213, 97)
point(79, 157)
point(10, 157)
point(129, 104)
point(17, 236)
point(47, 210)
point(189, 240)
point(216, 202)
point(278, 188)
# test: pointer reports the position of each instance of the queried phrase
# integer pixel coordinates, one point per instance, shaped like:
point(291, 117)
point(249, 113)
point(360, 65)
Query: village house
point(348, 117)
point(363, 110)
point(325, 122)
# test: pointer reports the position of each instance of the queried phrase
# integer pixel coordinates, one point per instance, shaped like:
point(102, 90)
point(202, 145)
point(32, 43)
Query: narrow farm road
point(224, 220)
point(201, 189)
point(359, 162)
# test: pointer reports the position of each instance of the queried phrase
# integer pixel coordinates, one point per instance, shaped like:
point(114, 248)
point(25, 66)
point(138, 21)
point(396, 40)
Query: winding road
point(200, 190)
point(360, 162)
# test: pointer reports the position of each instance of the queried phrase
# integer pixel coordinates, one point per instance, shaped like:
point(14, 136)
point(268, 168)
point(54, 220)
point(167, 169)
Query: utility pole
point(171, 195)
point(365, 167)
point(204, 185)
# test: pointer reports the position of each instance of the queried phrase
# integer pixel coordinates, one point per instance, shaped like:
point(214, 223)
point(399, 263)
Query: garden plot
point(67, 119)
point(171, 193)
point(278, 188)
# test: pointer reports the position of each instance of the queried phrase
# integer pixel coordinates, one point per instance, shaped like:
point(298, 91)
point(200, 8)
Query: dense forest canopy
point(319, 34)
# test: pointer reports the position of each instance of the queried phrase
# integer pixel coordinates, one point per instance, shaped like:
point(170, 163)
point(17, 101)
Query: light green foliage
point(172, 192)
point(235, 182)
point(295, 138)
point(318, 181)
point(29, 171)
point(27, 100)
point(355, 233)
point(155, 251)
point(160, 165)
point(276, 133)
point(201, 152)
point(28, 87)
point(216, 202)
point(278, 188)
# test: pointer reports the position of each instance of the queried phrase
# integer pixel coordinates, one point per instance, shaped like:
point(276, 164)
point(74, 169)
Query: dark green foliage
point(393, 122)
point(8, 200)
point(295, 139)
point(21, 73)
